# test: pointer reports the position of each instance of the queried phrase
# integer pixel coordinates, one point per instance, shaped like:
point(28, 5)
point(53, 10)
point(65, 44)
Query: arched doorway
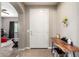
point(20, 8)
point(21, 19)
point(21, 16)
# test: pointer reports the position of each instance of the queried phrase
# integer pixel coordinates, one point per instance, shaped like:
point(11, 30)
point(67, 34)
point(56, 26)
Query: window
point(16, 27)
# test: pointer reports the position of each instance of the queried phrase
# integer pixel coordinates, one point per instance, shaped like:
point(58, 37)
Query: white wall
point(53, 22)
point(71, 10)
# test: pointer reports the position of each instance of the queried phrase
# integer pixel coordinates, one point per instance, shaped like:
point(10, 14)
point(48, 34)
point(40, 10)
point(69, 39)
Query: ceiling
point(10, 10)
point(40, 3)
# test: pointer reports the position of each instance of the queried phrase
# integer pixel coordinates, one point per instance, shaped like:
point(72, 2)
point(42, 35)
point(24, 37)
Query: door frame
point(29, 27)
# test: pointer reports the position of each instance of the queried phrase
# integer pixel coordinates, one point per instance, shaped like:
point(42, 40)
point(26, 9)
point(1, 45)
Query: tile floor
point(35, 53)
point(7, 52)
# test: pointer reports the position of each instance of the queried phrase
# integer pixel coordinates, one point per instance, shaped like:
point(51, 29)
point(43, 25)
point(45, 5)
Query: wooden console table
point(65, 47)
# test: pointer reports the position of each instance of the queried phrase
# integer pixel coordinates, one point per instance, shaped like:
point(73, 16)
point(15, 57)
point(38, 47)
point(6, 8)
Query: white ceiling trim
point(40, 3)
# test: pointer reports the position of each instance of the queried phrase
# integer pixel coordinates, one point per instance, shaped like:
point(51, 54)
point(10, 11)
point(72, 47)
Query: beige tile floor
point(8, 52)
point(35, 53)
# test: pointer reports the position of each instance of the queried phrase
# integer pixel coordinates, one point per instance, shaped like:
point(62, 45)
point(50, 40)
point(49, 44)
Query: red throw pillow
point(4, 39)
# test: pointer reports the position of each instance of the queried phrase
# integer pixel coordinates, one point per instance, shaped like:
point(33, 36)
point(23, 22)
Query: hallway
point(35, 53)
point(36, 24)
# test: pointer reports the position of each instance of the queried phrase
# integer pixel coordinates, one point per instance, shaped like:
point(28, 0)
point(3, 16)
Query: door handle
point(31, 32)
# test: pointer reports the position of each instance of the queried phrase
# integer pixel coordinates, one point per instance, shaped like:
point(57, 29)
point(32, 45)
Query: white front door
point(39, 28)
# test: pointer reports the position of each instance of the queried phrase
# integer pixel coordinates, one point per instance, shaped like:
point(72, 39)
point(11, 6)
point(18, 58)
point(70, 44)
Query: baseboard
point(49, 47)
point(30, 48)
